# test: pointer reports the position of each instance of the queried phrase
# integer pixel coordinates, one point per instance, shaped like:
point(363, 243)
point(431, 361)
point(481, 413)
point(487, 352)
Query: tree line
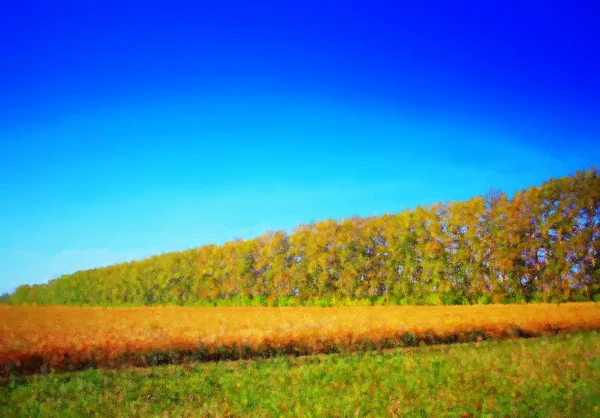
point(540, 245)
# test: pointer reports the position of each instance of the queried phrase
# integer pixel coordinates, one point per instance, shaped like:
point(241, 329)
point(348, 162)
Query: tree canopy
point(541, 244)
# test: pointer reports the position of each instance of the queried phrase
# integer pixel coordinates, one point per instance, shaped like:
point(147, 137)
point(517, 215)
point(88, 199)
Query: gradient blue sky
point(129, 129)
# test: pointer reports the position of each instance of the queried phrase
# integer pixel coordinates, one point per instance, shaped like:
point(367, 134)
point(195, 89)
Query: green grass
point(540, 377)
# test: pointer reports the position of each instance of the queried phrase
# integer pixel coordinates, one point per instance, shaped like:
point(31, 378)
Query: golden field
point(41, 339)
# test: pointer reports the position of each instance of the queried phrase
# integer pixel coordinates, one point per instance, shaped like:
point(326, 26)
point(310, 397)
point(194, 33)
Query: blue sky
point(130, 129)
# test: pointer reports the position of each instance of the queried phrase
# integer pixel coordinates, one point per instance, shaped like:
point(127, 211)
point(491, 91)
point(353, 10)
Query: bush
point(512, 299)
point(323, 303)
point(433, 299)
point(484, 300)
point(450, 298)
point(259, 301)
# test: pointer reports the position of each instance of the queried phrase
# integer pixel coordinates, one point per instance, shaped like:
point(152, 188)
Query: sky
point(129, 129)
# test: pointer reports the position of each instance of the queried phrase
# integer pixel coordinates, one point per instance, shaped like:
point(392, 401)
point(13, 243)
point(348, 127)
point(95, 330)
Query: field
point(45, 339)
point(555, 376)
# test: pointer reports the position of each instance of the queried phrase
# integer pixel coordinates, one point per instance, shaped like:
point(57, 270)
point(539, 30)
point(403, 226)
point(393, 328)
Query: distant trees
point(540, 245)
point(5, 298)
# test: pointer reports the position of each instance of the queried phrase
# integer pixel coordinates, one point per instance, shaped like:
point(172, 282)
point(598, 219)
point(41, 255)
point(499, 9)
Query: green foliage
point(513, 299)
point(484, 300)
point(540, 245)
point(537, 377)
point(433, 299)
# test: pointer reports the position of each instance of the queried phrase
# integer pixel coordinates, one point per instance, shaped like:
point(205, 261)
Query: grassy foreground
point(555, 376)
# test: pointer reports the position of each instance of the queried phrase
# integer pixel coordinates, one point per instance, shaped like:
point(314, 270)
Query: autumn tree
point(541, 244)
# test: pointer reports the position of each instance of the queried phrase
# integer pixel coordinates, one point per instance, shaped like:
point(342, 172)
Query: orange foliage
point(34, 339)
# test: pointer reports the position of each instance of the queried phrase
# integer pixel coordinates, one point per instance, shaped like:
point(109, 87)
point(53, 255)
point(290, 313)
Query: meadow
point(46, 339)
point(556, 376)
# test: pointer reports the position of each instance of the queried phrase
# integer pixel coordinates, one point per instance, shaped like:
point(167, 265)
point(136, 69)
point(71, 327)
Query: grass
point(42, 339)
point(555, 376)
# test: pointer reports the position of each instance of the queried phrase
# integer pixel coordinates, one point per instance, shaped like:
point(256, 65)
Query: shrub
point(484, 300)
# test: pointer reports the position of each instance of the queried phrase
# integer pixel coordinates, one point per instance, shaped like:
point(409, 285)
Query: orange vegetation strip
point(34, 339)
